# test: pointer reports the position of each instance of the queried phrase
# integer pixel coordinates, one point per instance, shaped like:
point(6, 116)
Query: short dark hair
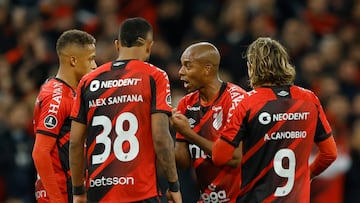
point(74, 36)
point(132, 29)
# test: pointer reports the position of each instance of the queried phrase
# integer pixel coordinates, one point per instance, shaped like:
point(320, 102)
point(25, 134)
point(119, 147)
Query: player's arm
point(225, 153)
point(182, 155)
point(181, 124)
point(164, 149)
point(76, 157)
point(42, 159)
point(326, 155)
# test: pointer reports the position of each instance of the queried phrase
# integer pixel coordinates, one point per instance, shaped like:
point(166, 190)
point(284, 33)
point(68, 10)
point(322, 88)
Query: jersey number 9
point(288, 173)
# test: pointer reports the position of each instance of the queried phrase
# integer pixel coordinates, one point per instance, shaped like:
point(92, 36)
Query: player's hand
point(79, 198)
point(173, 197)
point(179, 122)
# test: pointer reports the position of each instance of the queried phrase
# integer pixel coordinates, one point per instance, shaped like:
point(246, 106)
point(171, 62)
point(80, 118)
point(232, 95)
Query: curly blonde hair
point(268, 63)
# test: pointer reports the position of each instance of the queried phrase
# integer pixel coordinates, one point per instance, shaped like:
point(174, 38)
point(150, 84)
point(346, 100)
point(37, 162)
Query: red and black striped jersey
point(278, 126)
point(116, 101)
point(217, 184)
point(52, 118)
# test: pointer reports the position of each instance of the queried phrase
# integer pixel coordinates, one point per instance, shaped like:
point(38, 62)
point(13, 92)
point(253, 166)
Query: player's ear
point(208, 68)
point(117, 45)
point(149, 46)
point(73, 61)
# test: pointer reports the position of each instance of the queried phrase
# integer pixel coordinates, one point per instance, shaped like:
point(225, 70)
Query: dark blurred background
point(321, 36)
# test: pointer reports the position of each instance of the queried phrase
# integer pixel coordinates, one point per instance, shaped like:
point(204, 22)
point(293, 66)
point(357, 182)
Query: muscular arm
point(164, 146)
point(327, 154)
point(44, 166)
point(76, 153)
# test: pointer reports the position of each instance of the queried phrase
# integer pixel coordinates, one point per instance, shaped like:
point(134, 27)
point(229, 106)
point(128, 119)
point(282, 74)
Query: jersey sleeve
point(230, 135)
point(160, 87)
point(327, 155)
point(53, 113)
point(323, 129)
point(232, 131)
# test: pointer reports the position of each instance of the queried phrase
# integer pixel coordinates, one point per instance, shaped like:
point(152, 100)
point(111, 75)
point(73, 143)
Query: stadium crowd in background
point(322, 38)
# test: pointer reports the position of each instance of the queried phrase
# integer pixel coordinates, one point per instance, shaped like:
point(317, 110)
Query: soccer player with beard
point(121, 113)
point(76, 52)
point(199, 117)
point(277, 123)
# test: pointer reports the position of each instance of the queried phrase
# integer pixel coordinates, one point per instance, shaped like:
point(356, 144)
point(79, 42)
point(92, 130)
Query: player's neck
point(67, 76)
point(131, 53)
point(210, 92)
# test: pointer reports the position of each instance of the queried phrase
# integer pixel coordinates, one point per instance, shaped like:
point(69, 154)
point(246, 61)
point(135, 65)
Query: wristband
point(174, 186)
point(78, 190)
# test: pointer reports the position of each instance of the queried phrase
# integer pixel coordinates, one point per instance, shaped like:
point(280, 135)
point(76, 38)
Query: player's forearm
point(164, 145)
point(222, 152)
point(45, 169)
point(166, 158)
point(200, 141)
point(207, 146)
point(327, 154)
point(76, 152)
point(76, 155)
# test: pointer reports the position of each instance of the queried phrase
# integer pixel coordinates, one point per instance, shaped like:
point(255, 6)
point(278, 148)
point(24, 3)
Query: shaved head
point(204, 53)
point(200, 69)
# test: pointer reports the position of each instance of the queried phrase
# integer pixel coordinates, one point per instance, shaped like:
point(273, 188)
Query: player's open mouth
point(186, 84)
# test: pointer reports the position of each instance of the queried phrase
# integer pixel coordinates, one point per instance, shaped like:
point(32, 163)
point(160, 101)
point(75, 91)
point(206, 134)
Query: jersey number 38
point(122, 136)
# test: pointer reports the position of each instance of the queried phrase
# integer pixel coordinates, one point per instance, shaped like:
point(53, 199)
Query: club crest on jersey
point(50, 122)
point(218, 118)
point(168, 99)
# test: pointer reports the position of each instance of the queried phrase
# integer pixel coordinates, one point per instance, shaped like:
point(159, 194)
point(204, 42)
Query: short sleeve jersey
point(217, 184)
point(52, 118)
point(278, 126)
point(116, 101)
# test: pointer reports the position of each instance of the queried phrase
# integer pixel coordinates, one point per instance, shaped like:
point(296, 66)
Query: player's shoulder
point(56, 89)
point(47, 83)
point(46, 89)
point(149, 68)
point(54, 85)
point(192, 95)
point(303, 93)
point(234, 88)
point(94, 73)
point(189, 98)
point(302, 90)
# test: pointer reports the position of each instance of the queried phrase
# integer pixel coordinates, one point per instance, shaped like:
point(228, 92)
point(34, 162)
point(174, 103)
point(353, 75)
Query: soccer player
point(76, 53)
point(199, 117)
point(122, 114)
point(277, 123)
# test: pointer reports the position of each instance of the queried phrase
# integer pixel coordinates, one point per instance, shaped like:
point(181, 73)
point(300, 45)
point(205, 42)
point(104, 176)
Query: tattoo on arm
point(164, 147)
